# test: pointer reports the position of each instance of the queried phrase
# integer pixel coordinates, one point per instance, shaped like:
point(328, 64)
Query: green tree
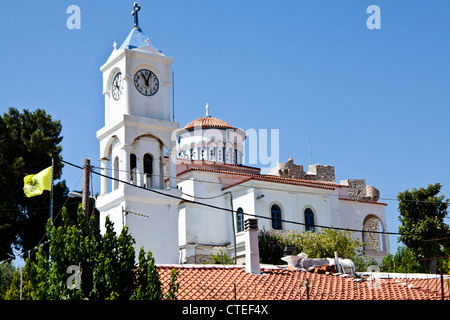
point(271, 245)
point(422, 213)
point(221, 257)
point(324, 243)
point(13, 292)
point(403, 261)
point(22, 219)
point(362, 263)
point(106, 263)
point(321, 244)
point(6, 276)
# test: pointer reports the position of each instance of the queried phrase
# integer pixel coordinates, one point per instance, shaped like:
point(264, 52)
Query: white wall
point(353, 214)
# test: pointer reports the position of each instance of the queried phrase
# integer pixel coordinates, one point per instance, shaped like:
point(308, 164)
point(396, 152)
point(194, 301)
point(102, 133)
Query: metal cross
point(134, 13)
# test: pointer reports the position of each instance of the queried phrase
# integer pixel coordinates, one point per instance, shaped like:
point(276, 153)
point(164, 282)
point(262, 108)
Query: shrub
point(321, 244)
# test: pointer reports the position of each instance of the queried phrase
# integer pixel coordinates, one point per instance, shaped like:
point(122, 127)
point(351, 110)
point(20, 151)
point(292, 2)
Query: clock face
point(117, 86)
point(146, 82)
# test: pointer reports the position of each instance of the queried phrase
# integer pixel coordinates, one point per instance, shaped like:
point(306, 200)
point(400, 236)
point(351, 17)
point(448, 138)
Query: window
point(211, 154)
point(276, 217)
point(309, 220)
point(219, 155)
point(133, 168)
point(240, 220)
point(148, 170)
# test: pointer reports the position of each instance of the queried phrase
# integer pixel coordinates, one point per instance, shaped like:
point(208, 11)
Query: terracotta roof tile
point(270, 178)
point(229, 283)
point(208, 122)
point(363, 201)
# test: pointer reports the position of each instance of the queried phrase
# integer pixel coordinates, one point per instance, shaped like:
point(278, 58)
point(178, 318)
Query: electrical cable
point(234, 211)
point(220, 208)
point(224, 185)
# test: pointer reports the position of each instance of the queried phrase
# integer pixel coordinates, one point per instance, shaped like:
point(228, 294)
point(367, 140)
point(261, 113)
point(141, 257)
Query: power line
point(76, 166)
point(234, 211)
point(221, 208)
point(265, 188)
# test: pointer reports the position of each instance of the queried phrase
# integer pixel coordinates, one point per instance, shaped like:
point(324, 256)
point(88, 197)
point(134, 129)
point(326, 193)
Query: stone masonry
point(316, 172)
point(371, 240)
point(360, 191)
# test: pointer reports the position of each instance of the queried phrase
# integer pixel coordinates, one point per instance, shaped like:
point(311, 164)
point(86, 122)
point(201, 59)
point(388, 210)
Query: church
point(184, 192)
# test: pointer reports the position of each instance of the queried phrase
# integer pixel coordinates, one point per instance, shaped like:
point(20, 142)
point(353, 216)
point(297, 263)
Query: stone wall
point(316, 172)
point(320, 172)
point(371, 240)
point(359, 190)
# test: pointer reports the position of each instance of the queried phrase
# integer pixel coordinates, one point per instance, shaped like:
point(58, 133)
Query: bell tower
point(136, 138)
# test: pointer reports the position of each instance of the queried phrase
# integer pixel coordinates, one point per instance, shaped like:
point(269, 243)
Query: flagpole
point(51, 209)
point(51, 195)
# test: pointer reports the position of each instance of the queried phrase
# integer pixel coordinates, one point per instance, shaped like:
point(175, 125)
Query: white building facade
point(184, 193)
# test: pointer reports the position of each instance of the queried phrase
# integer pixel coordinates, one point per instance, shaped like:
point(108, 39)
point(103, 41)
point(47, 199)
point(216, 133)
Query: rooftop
point(136, 39)
point(280, 283)
point(208, 122)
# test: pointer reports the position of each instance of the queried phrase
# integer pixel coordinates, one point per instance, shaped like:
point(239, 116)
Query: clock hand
point(146, 79)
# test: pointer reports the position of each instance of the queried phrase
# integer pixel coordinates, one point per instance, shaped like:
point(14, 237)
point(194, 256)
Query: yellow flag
point(35, 184)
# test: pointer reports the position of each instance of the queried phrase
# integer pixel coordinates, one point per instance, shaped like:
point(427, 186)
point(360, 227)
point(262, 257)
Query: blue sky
point(374, 103)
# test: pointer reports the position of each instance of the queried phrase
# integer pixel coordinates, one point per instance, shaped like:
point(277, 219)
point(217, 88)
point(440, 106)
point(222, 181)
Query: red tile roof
point(363, 201)
point(270, 178)
point(208, 122)
point(229, 283)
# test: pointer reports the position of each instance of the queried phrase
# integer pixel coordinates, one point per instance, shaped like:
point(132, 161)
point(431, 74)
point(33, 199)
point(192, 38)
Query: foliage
point(271, 245)
point(221, 257)
point(22, 219)
point(324, 243)
point(172, 292)
point(107, 265)
point(363, 263)
point(148, 284)
point(13, 293)
point(321, 244)
point(422, 213)
point(403, 261)
point(6, 276)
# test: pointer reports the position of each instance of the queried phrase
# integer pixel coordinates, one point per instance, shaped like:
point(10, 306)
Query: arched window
point(240, 220)
point(372, 240)
point(219, 155)
point(309, 220)
point(275, 212)
point(133, 168)
point(148, 170)
point(211, 154)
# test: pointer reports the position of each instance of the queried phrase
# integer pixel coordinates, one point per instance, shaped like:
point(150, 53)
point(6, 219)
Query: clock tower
point(135, 141)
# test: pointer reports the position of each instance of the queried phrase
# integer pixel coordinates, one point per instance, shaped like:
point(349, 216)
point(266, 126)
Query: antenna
point(309, 150)
point(173, 96)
